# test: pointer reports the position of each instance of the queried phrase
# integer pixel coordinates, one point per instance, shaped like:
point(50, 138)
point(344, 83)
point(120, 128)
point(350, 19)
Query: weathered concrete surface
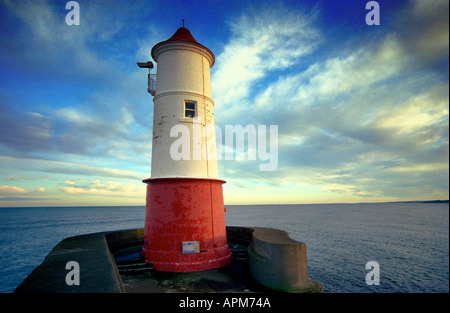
point(275, 261)
point(118, 239)
point(98, 272)
point(279, 262)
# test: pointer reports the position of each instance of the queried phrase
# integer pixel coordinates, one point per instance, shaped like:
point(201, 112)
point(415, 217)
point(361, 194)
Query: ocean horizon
point(409, 240)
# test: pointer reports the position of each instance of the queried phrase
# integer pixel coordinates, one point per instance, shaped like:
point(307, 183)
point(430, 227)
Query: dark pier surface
point(111, 262)
point(139, 276)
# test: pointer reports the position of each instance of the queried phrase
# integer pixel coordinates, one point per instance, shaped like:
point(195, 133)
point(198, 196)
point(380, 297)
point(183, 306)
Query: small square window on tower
point(189, 109)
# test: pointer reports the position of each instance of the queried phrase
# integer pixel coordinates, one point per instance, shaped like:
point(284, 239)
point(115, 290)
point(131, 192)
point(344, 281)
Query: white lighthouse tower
point(185, 220)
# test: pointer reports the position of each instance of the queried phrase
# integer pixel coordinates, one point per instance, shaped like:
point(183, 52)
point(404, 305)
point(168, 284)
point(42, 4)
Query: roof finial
point(183, 23)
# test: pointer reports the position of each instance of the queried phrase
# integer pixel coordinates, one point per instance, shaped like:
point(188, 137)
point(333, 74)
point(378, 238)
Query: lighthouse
point(185, 215)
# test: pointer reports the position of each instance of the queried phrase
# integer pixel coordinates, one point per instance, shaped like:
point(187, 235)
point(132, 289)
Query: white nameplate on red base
point(191, 247)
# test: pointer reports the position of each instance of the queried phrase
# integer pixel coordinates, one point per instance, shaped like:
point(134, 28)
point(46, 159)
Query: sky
point(362, 110)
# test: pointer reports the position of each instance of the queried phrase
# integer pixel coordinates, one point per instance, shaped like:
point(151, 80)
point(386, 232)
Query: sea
point(351, 248)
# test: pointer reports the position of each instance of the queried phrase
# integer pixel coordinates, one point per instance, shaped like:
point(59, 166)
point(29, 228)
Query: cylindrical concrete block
point(277, 261)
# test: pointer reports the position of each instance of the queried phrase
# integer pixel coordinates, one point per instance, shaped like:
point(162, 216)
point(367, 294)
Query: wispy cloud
point(108, 133)
point(12, 190)
point(14, 200)
point(364, 116)
point(12, 194)
point(23, 131)
point(46, 45)
point(110, 119)
point(263, 40)
point(423, 30)
point(67, 168)
point(108, 188)
point(374, 114)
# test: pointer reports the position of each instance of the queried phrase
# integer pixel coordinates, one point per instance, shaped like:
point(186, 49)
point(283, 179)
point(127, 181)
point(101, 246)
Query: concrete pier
point(98, 271)
point(267, 260)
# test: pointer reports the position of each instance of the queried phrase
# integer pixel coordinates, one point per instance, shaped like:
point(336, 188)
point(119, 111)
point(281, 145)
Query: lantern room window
point(189, 109)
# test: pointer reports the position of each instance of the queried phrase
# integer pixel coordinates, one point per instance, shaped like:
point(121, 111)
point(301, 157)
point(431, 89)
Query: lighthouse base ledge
point(203, 261)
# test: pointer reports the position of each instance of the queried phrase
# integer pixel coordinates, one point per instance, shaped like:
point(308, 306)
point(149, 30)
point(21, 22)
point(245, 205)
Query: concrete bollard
point(279, 262)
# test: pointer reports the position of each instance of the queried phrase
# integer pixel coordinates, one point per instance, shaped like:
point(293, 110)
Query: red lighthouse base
point(185, 225)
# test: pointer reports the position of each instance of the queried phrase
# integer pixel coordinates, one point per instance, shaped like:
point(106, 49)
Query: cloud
point(23, 131)
point(99, 132)
point(264, 39)
point(108, 188)
point(326, 112)
point(67, 168)
point(113, 120)
point(61, 131)
point(423, 30)
point(350, 114)
point(12, 190)
point(44, 45)
point(14, 193)
point(14, 199)
point(82, 131)
point(347, 120)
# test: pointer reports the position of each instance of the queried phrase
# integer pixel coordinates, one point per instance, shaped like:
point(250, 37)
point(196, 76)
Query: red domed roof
point(182, 34)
